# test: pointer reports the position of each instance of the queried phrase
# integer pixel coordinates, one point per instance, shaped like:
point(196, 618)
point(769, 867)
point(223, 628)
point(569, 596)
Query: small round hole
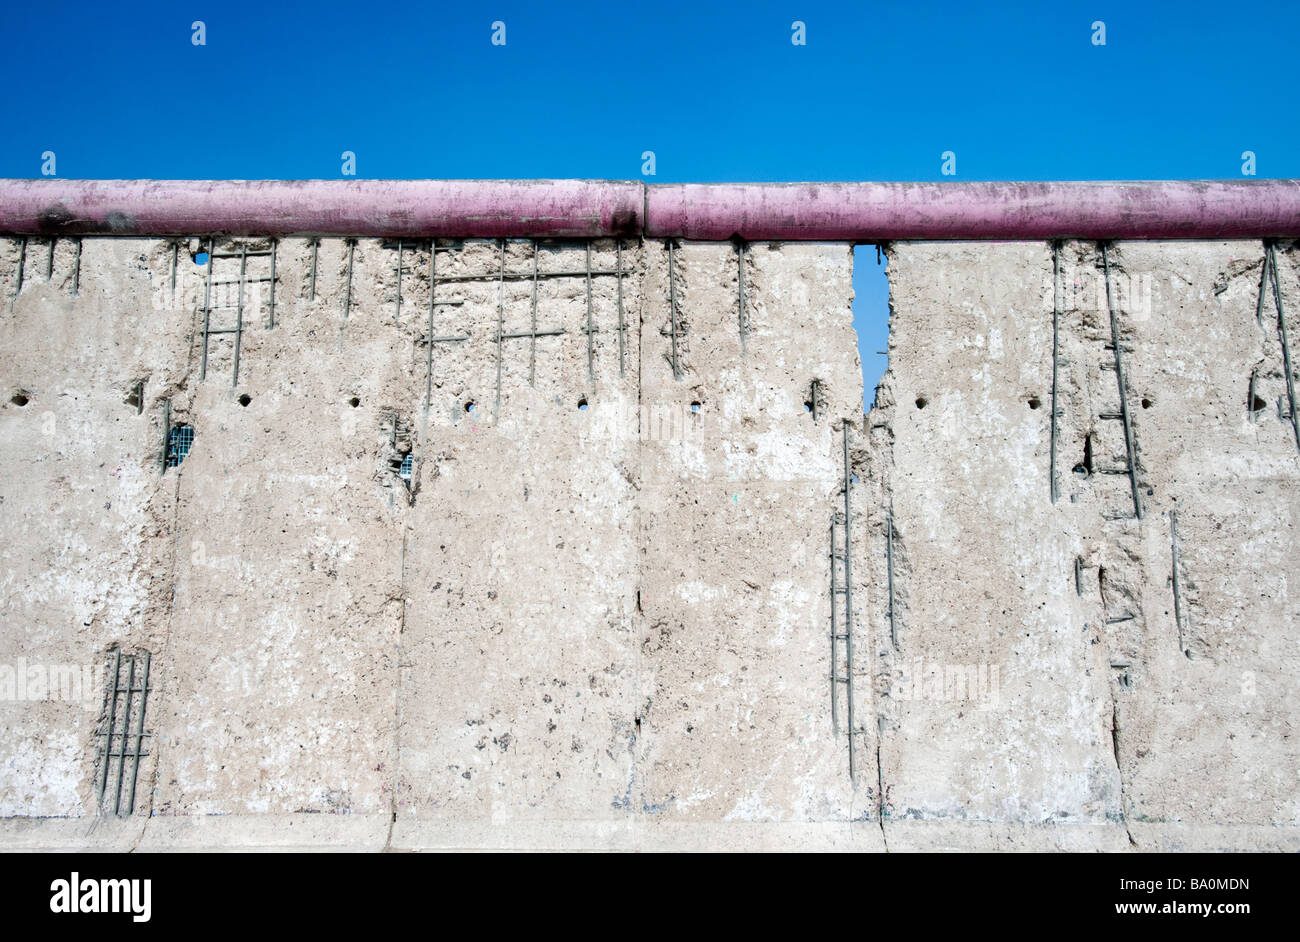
point(807, 407)
point(695, 407)
point(354, 402)
point(201, 259)
point(1035, 402)
point(19, 399)
point(582, 404)
point(245, 399)
point(469, 406)
point(922, 402)
point(1146, 403)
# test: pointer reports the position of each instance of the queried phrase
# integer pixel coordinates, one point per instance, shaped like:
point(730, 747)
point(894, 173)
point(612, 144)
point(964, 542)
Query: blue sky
point(716, 90)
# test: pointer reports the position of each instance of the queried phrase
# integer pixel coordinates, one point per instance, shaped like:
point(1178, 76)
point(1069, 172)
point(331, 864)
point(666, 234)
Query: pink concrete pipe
point(574, 208)
point(414, 208)
point(898, 211)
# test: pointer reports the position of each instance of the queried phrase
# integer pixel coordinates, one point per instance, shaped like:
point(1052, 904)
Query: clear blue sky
point(716, 90)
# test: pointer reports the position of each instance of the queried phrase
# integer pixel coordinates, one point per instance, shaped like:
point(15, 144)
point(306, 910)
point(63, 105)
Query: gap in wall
point(870, 317)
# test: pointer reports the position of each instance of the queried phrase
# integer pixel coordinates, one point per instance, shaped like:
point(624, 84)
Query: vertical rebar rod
point(591, 349)
point(49, 264)
point(622, 325)
point(126, 728)
point(1056, 316)
point(1286, 346)
point(207, 313)
point(239, 312)
point(1263, 287)
point(1178, 594)
point(848, 605)
point(76, 271)
point(274, 245)
point(139, 734)
point(501, 300)
point(397, 310)
point(347, 295)
point(167, 432)
point(835, 713)
point(428, 354)
point(672, 307)
point(889, 574)
point(315, 251)
point(1123, 388)
point(740, 275)
point(112, 721)
point(22, 265)
point(532, 354)
point(176, 251)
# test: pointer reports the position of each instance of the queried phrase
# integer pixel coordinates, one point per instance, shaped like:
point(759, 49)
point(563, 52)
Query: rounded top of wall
point(851, 212)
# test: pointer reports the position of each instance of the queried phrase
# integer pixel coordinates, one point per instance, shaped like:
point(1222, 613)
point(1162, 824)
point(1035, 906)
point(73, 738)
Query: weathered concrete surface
point(1119, 719)
point(736, 686)
point(86, 560)
point(995, 709)
point(599, 614)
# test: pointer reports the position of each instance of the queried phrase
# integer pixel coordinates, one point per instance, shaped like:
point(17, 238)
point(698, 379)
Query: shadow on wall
point(871, 317)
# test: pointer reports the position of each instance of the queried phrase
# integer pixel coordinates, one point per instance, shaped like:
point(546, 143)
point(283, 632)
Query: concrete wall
point(599, 613)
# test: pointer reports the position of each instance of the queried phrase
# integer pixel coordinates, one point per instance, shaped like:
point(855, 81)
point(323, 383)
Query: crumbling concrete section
point(587, 544)
point(1104, 661)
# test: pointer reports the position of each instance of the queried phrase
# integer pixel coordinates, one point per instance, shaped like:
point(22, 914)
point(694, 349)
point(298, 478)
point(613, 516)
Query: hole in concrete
point(695, 407)
point(19, 399)
point(179, 442)
point(871, 316)
point(1035, 402)
point(404, 469)
point(1146, 403)
point(922, 402)
point(814, 397)
point(582, 404)
point(1257, 404)
point(245, 399)
point(135, 399)
point(354, 402)
point(1084, 467)
point(201, 259)
point(469, 406)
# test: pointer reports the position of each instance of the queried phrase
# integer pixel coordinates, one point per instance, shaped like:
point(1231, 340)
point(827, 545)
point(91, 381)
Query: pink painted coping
point(416, 208)
point(583, 209)
point(900, 211)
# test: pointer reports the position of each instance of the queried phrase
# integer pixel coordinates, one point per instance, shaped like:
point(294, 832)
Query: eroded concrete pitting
point(598, 615)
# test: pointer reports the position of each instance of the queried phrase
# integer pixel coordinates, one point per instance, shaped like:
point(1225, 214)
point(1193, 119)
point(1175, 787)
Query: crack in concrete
point(155, 749)
point(1119, 772)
